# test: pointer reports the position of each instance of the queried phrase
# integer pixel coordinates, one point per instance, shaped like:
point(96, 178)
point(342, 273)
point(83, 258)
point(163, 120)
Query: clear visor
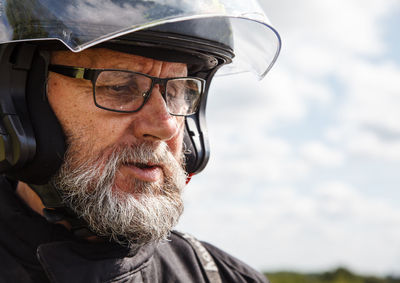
point(82, 24)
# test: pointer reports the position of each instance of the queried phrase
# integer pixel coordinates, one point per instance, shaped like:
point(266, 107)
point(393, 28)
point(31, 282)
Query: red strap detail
point(189, 177)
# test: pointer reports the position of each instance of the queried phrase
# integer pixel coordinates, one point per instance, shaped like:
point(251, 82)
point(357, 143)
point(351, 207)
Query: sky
point(303, 173)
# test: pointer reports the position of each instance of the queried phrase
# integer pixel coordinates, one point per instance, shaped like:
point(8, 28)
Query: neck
point(30, 197)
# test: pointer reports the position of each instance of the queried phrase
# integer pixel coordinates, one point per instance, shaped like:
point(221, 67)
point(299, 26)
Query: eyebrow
point(121, 66)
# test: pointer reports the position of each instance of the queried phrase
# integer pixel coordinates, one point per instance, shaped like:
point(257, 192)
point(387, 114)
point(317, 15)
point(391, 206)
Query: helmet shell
point(83, 24)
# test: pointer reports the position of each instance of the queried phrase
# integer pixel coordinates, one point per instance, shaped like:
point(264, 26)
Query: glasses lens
point(121, 90)
point(183, 95)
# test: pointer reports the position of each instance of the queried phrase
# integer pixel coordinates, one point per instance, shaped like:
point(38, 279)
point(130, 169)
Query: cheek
point(176, 143)
point(72, 106)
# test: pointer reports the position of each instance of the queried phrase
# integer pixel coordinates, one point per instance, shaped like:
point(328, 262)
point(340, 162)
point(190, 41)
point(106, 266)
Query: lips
point(142, 171)
point(142, 165)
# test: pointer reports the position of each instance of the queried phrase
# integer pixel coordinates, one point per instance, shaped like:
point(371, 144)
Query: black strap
point(55, 210)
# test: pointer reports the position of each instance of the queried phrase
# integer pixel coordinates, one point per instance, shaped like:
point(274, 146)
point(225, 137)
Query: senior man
point(103, 106)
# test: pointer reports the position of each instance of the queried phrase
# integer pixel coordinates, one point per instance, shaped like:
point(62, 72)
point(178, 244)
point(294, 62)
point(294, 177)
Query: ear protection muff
point(196, 142)
point(17, 142)
point(32, 141)
point(49, 136)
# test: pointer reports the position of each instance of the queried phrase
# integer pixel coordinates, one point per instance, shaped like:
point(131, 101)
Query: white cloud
point(343, 200)
point(320, 154)
point(335, 24)
point(366, 143)
point(368, 122)
point(249, 104)
point(247, 101)
point(372, 95)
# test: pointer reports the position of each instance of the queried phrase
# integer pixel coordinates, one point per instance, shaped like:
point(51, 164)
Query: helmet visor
point(82, 24)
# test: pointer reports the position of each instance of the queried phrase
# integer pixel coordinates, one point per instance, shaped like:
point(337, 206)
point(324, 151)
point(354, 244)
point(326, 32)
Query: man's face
point(123, 172)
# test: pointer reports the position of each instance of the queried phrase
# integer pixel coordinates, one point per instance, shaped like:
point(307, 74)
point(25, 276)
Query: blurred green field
point(340, 275)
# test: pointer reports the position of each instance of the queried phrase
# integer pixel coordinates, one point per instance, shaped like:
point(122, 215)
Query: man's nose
point(154, 121)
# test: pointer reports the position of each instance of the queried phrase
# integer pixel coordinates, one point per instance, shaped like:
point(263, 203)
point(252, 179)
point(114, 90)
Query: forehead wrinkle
point(164, 69)
point(101, 58)
point(118, 60)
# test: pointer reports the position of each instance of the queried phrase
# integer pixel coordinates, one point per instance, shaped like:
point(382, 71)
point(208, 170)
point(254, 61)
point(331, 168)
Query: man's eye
point(175, 92)
point(172, 92)
point(118, 89)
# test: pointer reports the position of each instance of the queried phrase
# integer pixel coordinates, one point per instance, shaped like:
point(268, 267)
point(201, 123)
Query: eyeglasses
point(127, 91)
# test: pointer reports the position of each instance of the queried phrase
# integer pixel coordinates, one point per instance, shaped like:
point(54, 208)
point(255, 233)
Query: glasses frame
point(92, 75)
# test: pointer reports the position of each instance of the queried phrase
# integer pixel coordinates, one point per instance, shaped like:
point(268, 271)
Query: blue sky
point(304, 172)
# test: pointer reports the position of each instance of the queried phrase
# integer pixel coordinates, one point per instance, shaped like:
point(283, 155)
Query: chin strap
point(56, 211)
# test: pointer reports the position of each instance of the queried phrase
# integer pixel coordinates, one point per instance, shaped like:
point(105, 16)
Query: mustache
point(113, 157)
point(144, 154)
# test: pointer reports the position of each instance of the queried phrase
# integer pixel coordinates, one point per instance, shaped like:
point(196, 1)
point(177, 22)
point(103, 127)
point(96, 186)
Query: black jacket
point(33, 250)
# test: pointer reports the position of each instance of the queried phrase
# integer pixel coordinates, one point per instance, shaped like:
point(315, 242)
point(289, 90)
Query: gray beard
point(144, 213)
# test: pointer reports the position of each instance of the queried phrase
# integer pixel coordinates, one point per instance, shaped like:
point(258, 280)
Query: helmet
point(227, 36)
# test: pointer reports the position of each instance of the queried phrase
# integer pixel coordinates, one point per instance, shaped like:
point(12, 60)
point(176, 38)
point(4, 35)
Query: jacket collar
point(91, 262)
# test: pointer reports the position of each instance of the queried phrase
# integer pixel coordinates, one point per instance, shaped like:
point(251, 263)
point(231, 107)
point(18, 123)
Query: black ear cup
point(32, 142)
point(49, 136)
point(17, 143)
point(195, 147)
point(196, 143)
point(190, 153)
